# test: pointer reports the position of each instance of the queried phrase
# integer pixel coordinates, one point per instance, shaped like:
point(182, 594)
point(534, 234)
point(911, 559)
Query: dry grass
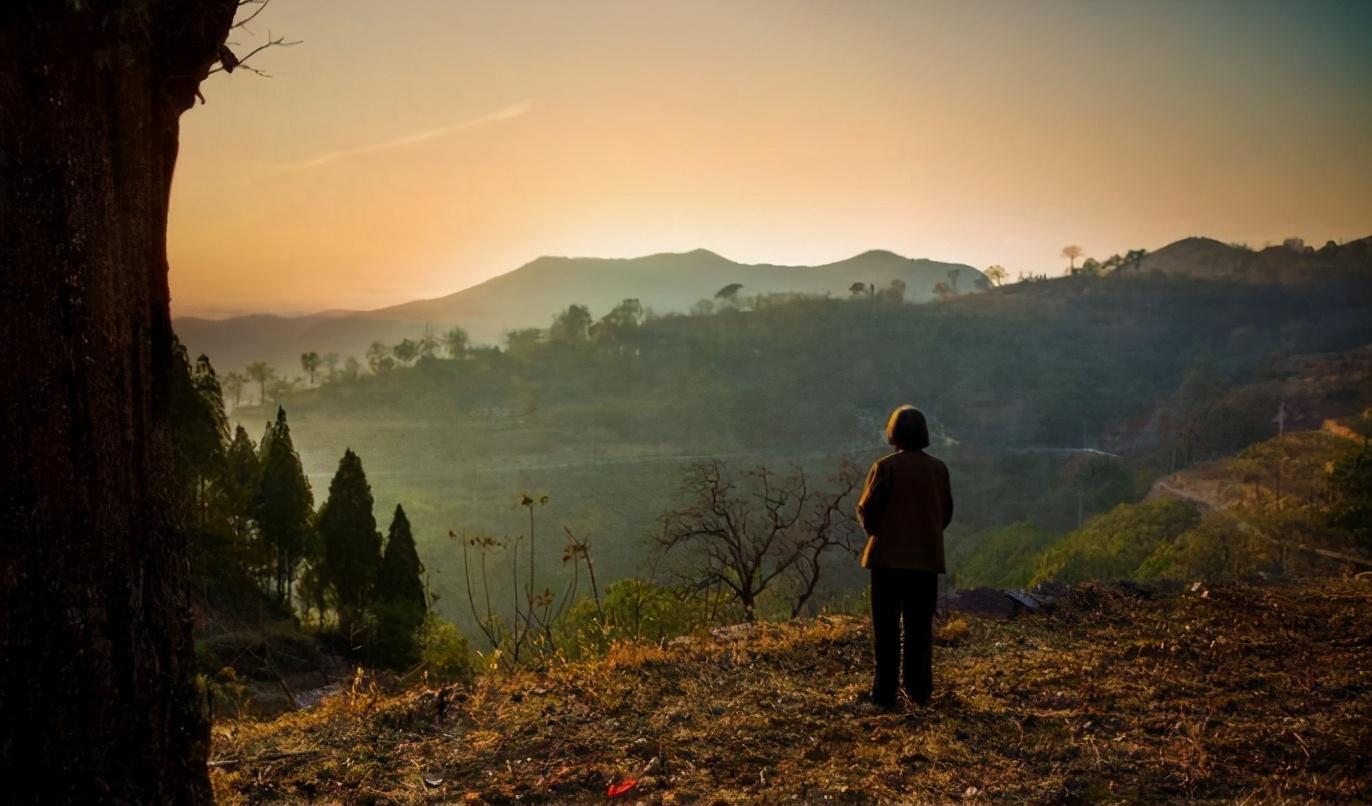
point(1241, 693)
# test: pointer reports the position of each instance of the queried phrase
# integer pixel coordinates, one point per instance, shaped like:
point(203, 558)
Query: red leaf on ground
point(621, 788)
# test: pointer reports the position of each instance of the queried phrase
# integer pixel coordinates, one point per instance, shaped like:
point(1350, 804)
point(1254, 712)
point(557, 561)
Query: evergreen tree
point(207, 385)
point(199, 452)
point(399, 577)
point(283, 505)
point(399, 600)
point(351, 543)
point(238, 496)
point(311, 590)
point(209, 494)
point(199, 432)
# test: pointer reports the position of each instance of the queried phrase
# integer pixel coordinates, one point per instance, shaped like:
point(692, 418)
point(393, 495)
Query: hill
point(530, 295)
point(1203, 695)
point(1178, 368)
point(1290, 263)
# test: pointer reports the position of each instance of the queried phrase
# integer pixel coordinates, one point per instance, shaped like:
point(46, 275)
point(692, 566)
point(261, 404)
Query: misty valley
point(1060, 406)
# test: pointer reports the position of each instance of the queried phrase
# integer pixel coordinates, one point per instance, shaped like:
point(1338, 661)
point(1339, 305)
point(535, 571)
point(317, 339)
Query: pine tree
point(399, 600)
point(238, 495)
point(198, 436)
point(199, 432)
point(283, 505)
point(350, 541)
point(399, 578)
point(206, 383)
point(209, 493)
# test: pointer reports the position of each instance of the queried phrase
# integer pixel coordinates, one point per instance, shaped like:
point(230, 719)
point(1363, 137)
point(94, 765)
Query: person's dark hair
point(907, 429)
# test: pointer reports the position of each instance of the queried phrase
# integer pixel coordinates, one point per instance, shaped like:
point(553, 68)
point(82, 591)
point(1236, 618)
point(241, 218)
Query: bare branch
point(228, 62)
point(261, 7)
point(748, 531)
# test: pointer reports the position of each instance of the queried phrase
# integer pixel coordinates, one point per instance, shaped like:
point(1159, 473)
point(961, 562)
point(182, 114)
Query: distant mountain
point(530, 296)
point(1290, 263)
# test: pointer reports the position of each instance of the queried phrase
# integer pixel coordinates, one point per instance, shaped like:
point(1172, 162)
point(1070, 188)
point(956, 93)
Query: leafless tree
point(829, 525)
point(750, 530)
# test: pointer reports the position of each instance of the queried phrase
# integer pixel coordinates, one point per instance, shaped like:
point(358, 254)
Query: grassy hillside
point(1237, 693)
point(1266, 510)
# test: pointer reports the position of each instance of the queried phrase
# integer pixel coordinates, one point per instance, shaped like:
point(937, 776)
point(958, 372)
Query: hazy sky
point(411, 148)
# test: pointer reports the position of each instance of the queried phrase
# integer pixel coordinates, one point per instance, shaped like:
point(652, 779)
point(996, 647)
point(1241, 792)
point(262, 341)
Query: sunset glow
point(410, 149)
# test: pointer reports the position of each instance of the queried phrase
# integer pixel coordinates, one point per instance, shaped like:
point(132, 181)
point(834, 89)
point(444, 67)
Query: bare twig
point(228, 62)
point(276, 756)
point(261, 7)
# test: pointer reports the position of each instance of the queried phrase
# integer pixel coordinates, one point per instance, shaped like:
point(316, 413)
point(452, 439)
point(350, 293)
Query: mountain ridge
point(530, 295)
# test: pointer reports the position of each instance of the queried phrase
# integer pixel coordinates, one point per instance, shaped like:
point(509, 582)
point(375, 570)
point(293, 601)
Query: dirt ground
point(1244, 693)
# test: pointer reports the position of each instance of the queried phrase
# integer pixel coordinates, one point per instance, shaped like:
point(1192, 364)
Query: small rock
point(987, 602)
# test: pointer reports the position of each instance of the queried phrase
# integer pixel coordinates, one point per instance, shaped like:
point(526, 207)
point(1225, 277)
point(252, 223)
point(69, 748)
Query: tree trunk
point(98, 702)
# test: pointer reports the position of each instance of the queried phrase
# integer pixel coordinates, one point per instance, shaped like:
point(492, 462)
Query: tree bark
point(98, 702)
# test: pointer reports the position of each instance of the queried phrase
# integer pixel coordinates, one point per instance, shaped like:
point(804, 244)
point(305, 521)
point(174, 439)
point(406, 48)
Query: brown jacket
point(906, 504)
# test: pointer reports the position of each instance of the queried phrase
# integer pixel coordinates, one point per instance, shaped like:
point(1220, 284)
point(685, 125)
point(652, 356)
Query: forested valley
point(562, 490)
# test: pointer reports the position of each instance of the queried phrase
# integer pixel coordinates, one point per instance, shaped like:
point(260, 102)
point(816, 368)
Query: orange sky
point(411, 148)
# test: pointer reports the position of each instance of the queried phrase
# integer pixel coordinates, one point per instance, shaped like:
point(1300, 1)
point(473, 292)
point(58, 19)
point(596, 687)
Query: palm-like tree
point(310, 362)
point(1071, 252)
point(233, 384)
point(260, 372)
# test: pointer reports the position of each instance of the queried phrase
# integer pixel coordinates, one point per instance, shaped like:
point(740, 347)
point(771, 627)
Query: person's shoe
point(920, 699)
point(869, 700)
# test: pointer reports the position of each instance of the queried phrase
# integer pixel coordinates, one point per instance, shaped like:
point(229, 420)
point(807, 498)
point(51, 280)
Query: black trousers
point(909, 595)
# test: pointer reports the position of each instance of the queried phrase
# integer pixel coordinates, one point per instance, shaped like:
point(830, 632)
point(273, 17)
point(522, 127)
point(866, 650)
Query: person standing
point(906, 503)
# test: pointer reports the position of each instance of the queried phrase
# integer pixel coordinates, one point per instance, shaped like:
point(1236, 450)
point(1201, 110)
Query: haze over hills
point(672, 282)
point(530, 295)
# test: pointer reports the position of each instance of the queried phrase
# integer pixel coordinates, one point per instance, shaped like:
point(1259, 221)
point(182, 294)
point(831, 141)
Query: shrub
point(632, 610)
point(1004, 557)
point(1350, 483)
point(1218, 548)
point(395, 640)
point(444, 651)
point(1114, 545)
